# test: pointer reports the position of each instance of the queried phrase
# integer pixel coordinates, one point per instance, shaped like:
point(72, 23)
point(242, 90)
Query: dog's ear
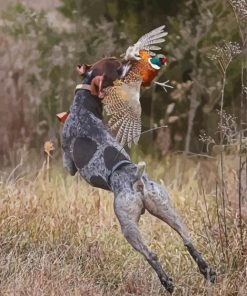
point(82, 69)
point(96, 84)
point(107, 81)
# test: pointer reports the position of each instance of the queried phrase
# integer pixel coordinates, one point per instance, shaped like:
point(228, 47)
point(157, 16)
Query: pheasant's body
point(143, 69)
point(122, 99)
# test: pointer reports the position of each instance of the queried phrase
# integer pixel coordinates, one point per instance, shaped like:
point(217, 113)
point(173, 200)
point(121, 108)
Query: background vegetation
point(41, 47)
point(58, 236)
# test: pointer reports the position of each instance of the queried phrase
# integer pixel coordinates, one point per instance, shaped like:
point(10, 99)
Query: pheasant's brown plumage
point(142, 69)
point(122, 100)
point(122, 105)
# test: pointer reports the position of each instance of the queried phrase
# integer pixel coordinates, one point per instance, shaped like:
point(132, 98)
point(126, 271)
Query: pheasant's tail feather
point(122, 105)
point(136, 129)
point(127, 129)
point(123, 131)
point(114, 99)
point(115, 121)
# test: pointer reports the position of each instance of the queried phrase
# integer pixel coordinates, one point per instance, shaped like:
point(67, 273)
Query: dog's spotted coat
point(91, 150)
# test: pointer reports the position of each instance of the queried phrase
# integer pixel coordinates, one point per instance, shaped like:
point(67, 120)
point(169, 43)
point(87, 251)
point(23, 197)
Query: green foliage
point(83, 32)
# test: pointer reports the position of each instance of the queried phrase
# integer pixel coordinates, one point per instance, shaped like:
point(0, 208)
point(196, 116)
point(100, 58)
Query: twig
point(205, 203)
point(224, 203)
point(219, 222)
point(240, 196)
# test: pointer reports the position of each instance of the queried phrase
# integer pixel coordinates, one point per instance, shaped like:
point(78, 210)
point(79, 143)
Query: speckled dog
point(91, 150)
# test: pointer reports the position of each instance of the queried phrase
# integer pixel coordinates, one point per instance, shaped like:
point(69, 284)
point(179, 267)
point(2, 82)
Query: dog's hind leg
point(157, 202)
point(128, 206)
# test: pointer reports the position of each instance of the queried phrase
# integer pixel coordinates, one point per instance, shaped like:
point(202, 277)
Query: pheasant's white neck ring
point(153, 65)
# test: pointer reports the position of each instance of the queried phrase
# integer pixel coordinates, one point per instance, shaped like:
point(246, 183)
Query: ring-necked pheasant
point(118, 83)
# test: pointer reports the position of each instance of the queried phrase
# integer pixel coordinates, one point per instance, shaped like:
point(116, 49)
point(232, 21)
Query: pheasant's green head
point(158, 60)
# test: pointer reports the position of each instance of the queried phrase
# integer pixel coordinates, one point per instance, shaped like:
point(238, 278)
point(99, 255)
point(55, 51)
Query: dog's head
point(99, 75)
point(109, 68)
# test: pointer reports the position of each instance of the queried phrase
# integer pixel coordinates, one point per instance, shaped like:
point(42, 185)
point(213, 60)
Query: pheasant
point(118, 82)
point(122, 100)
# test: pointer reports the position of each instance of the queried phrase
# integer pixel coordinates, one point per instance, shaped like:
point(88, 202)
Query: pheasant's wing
point(122, 104)
point(146, 42)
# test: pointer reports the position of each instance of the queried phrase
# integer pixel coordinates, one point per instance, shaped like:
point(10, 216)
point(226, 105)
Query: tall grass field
point(59, 236)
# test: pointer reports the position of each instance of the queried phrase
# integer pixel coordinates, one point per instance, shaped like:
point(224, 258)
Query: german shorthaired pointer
point(91, 150)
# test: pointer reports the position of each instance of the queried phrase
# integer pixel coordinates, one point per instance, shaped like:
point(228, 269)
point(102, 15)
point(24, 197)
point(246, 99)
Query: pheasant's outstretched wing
point(122, 104)
point(146, 42)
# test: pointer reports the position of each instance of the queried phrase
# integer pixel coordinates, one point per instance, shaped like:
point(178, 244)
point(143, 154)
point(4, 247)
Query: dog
point(94, 153)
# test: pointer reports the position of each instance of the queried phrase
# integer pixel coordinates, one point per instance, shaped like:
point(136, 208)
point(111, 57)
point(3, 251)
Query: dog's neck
point(83, 99)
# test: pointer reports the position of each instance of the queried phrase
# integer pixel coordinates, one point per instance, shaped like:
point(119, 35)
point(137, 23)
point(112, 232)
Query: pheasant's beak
point(164, 61)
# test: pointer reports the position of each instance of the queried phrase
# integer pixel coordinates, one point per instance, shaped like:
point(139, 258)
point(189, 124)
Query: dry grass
point(59, 236)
